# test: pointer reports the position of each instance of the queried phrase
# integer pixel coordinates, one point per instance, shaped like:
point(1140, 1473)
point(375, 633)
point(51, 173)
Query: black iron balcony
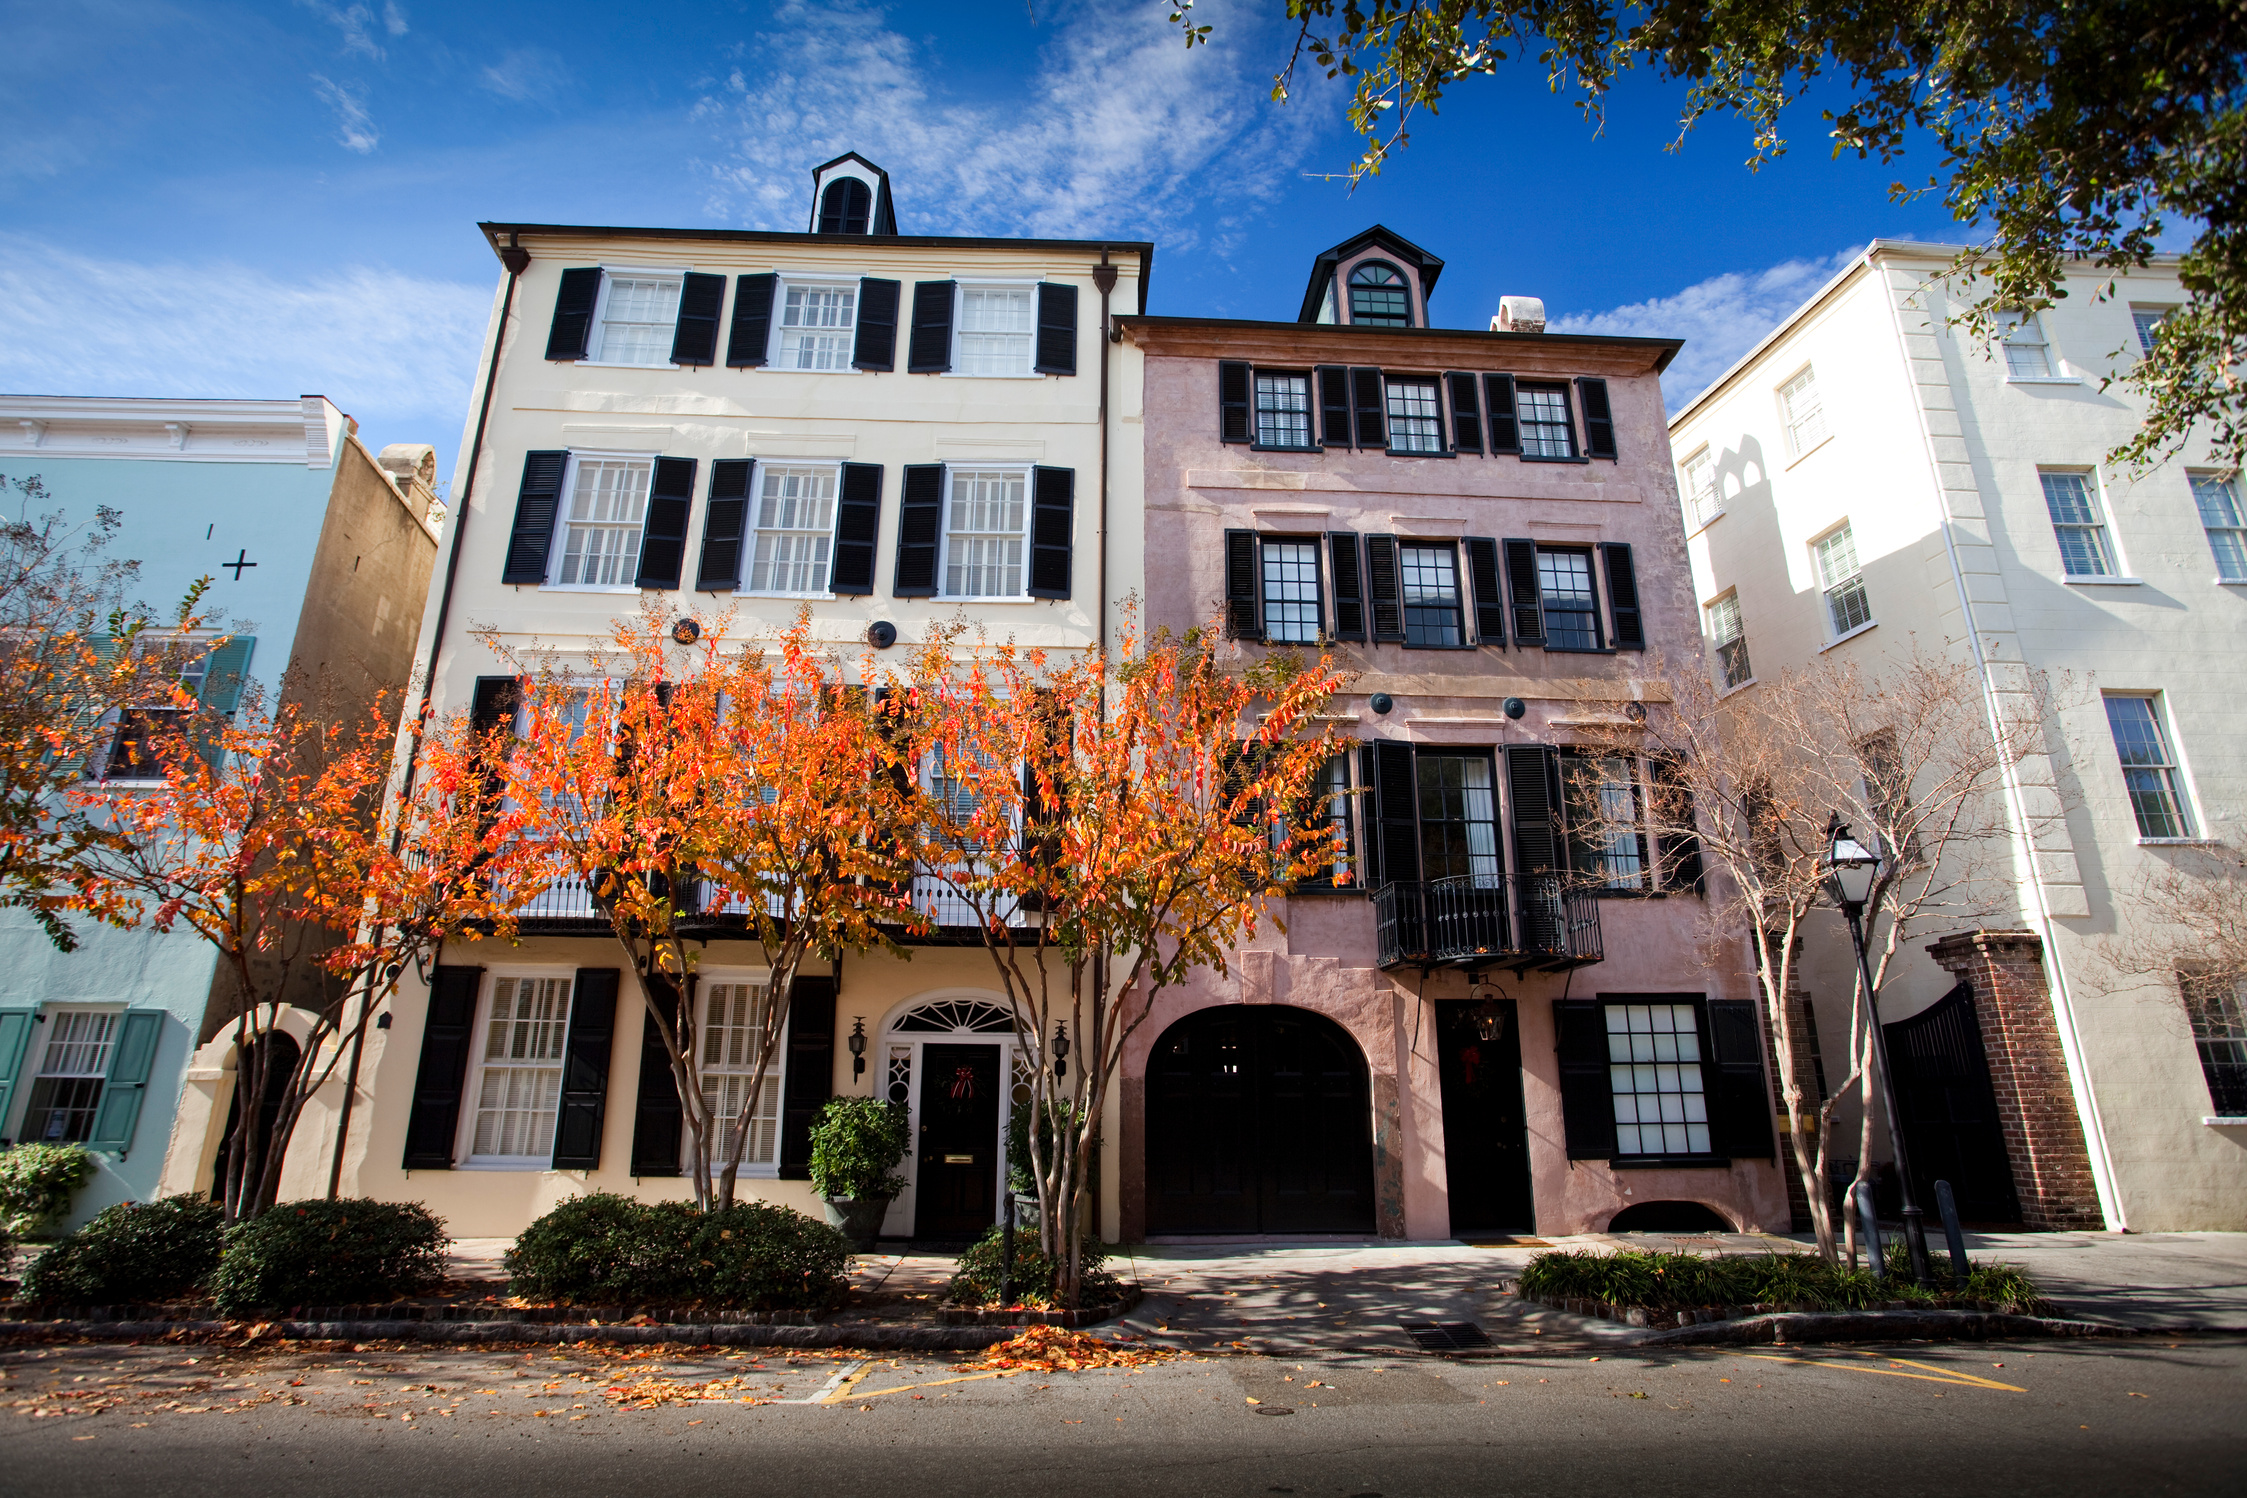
point(1521, 921)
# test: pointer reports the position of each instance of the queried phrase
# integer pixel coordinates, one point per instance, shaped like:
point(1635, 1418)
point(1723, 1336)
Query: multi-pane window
point(1697, 477)
point(639, 316)
point(1564, 581)
point(1378, 295)
point(133, 754)
point(795, 529)
point(519, 1088)
point(2220, 512)
point(2149, 767)
point(1730, 637)
point(2146, 320)
point(1654, 1069)
point(984, 533)
point(2217, 1005)
point(996, 327)
point(1415, 417)
point(66, 1093)
point(1283, 410)
point(2026, 357)
point(1606, 827)
point(2077, 525)
point(1803, 411)
point(601, 541)
point(1291, 592)
point(1430, 577)
point(1847, 608)
point(1546, 431)
point(1458, 817)
point(1333, 814)
point(816, 325)
point(734, 1016)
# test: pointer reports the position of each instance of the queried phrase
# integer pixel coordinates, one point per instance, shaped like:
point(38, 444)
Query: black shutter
point(573, 313)
point(1385, 589)
point(1243, 559)
point(1740, 1106)
point(1490, 603)
point(434, 1121)
point(701, 299)
point(1236, 421)
point(585, 1069)
point(1587, 1094)
point(1599, 418)
point(1533, 789)
point(752, 320)
point(1395, 843)
point(920, 515)
point(493, 703)
point(1527, 597)
point(536, 505)
point(1366, 401)
point(1057, 328)
point(663, 539)
point(657, 1117)
point(811, 1071)
point(1053, 525)
point(1680, 849)
point(929, 349)
point(723, 524)
point(1466, 414)
point(1334, 405)
point(858, 525)
point(875, 346)
point(1622, 597)
point(1349, 585)
point(1505, 428)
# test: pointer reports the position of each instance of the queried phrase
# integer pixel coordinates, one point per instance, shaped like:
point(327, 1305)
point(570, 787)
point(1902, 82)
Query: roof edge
point(1665, 349)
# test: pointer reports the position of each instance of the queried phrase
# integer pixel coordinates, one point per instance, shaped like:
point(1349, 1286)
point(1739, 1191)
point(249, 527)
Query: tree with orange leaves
point(1110, 826)
point(692, 790)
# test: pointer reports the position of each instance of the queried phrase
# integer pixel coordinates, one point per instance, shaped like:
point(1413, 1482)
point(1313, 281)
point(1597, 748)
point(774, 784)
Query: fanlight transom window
point(949, 1015)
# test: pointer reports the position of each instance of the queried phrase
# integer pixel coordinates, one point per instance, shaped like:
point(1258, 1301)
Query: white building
point(1868, 472)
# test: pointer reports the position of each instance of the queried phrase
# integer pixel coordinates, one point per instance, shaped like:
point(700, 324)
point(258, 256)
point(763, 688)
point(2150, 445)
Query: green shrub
point(976, 1281)
point(330, 1254)
point(612, 1250)
point(768, 1258)
point(37, 1182)
point(1687, 1281)
point(855, 1148)
point(132, 1253)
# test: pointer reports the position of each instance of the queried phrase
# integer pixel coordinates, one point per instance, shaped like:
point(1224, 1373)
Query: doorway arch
point(277, 1055)
point(1259, 1120)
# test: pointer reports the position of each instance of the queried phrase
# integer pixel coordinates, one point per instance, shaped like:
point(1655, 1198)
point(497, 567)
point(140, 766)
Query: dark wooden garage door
point(1258, 1121)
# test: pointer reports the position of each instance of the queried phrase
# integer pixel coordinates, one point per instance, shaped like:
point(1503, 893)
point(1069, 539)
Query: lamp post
point(1851, 871)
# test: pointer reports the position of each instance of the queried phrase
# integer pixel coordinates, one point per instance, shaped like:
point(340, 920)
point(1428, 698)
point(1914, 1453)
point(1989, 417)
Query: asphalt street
point(2136, 1416)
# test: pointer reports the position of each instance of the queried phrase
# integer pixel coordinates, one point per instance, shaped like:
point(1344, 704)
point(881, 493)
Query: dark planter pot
point(859, 1218)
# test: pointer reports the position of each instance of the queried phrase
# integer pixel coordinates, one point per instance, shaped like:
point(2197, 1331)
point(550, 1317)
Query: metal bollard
point(1868, 1228)
point(1947, 1204)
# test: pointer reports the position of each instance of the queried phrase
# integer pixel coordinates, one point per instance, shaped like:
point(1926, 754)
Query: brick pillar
point(2043, 1132)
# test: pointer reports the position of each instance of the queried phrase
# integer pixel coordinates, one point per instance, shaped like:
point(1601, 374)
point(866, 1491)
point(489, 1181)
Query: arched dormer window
point(1380, 296)
point(845, 207)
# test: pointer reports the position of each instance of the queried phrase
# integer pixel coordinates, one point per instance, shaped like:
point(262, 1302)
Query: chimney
point(1519, 314)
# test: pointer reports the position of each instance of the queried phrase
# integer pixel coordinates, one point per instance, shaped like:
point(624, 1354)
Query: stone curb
point(873, 1338)
point(1876, 1326)
point(1086, 1316)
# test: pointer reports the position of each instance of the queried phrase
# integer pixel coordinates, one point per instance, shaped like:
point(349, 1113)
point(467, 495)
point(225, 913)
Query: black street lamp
point(1851, 871)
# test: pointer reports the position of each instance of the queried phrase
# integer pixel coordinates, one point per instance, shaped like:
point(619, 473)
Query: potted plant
point(855, 1150)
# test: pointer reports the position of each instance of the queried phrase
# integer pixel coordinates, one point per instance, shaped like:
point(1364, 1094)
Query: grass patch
point(1680, 1282)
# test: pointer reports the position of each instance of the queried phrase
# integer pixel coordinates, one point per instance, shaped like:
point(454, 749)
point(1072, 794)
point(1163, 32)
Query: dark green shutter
point(1490, 601)
point(122, 1091)
point(1599, 418)
point(1622, 597)
point(1334, 406)
point(724, 524)
point(858, 525)
point(658, 1118)
point(1533, 788)
point(811, 1071)
point(585, 1069)
point(747, 340)
point(875, 345)
point(1053, 526)
point(1587, 1094)
point(1243, 620)
point(1394, 842)
point(1236, 420)
point(1349, 585)
point(1368, 402)
point(572, 330)
point(702, 298)
point(1527, 597)
point(1505, 427)
point(433, 1124)
point(1057, 328)
point(1466, 414)
point(920, 520)
point(928, 350)
point(1385, 588)
point(536, 505)
point(15, 1039)
point(1740, 1106)
point(663, 536)
point(224, 674)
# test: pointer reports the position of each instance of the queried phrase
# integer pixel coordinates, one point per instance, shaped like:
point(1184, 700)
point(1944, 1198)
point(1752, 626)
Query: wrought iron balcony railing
point(1520, 921)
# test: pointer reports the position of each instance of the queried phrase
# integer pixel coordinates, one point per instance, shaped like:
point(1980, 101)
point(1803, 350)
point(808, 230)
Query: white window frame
point(751, 531)
point(155, 640)
point(944, 531)
point(960, 286)
point(776, 1073)
point(1712, 611)
point(1806, 378)
point(2174, 772)
point(779, 332)
point(557, 548)
point(1309, 413)
point(2100, 526)
point(36, 1062)
point(2194, 481)
point(479, 1038)
point(1433, 386)
point(1645, 1060)
point(1826, 589)
point(2155, 312)
point(596, 336)
point(2021, 330)
point(1703, 460)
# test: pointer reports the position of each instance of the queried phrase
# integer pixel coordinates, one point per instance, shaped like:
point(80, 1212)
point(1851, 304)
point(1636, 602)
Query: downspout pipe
point(1104, 277)
point(516, 259)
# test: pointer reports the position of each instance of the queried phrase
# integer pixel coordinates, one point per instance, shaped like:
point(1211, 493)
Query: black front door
point(1948, 1109)
point(956, 1193)
point(1258, 1121)
point(1485, 1131)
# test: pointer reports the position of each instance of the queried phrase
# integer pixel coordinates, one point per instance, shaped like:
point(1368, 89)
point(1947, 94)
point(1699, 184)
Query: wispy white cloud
point(356, 24)
point(393, 17)
point(526, 74)
point(1720, 319)
point(357, 132)
point(1121, 130)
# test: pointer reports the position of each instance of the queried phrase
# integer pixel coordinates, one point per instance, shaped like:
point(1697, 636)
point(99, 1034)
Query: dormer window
point(845, 207)
point(1379, 296)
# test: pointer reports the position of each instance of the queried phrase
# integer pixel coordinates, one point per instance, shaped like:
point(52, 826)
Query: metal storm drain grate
point(1447, 1337)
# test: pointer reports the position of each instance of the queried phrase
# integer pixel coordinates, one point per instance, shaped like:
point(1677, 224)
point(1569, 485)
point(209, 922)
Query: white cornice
point(305, 431)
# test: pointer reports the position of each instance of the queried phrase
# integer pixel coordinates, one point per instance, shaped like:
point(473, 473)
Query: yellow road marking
point(842, 1390)
point(965, 1378)
point(1934, 1374)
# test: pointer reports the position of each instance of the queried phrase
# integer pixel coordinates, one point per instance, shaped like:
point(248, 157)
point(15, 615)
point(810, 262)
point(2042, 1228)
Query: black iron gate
point(1948, 1110)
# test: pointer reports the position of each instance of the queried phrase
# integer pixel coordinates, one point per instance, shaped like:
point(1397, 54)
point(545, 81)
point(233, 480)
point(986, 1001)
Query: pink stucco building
point(1496, 1023)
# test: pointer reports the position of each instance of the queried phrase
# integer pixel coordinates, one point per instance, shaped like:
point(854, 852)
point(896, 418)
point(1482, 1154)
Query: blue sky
point(257, 199)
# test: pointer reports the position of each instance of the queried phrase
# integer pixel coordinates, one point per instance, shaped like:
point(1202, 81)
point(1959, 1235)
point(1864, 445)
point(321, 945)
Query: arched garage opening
point(1259, 1120)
